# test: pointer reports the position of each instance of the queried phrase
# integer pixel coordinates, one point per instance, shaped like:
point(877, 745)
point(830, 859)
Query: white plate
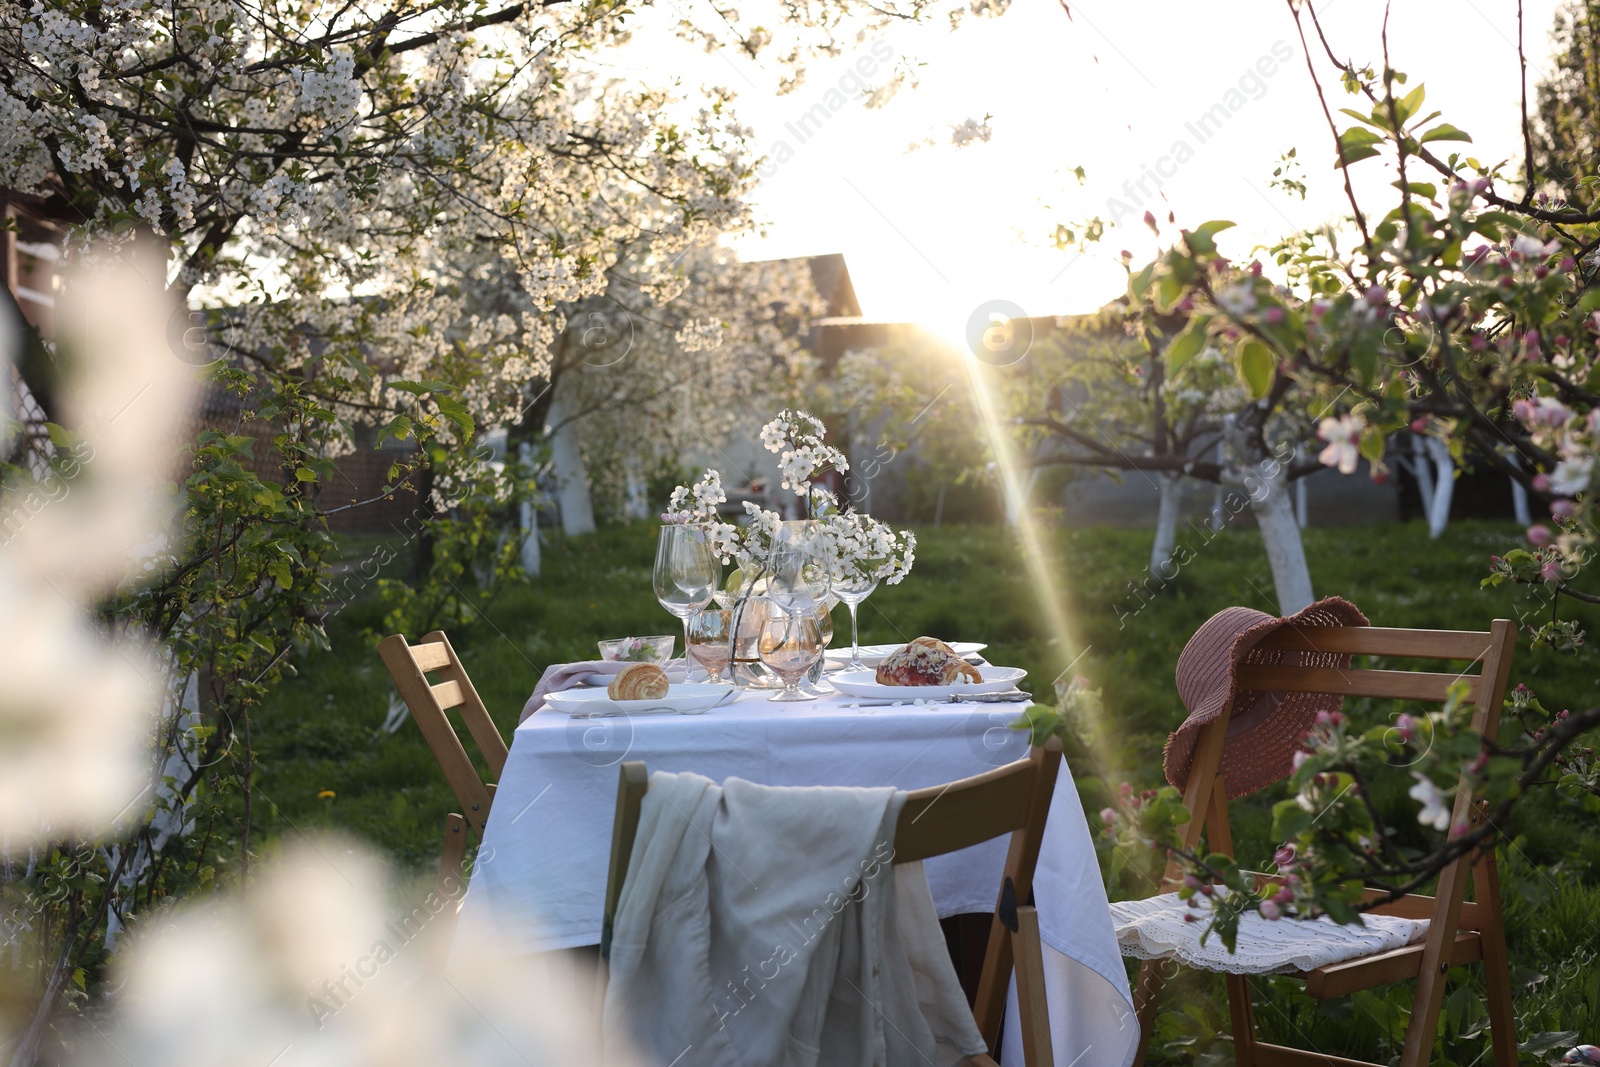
point(674, 674)
point(865, 684)
point(687, 697)
point(872, 655)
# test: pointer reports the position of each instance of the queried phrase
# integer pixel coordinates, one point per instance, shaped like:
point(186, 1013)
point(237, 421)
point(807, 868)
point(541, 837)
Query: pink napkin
point(559, 676)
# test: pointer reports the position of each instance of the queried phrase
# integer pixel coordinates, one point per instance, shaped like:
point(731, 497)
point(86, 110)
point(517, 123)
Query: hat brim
point(1265, 727)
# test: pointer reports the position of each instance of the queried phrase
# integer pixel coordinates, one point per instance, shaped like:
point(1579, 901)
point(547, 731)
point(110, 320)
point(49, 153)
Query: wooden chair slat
point(1410, 906)
point(430, 656)
point(473, 712)
point(448, 694)
point(1381, 641)
point(969, 811)
point(1354, 682)
point(1397, 965)
point(1266, 1055)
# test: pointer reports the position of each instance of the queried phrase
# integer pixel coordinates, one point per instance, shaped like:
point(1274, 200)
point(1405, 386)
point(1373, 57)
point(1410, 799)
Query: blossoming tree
point(1465, 310)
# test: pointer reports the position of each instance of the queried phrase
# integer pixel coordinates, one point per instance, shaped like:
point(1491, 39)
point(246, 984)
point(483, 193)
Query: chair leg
point(1496, 970)
point(1033, 1015)
point(1147, 1003)
point(450, 885)
point(989, 1005)
point(1244, 1020)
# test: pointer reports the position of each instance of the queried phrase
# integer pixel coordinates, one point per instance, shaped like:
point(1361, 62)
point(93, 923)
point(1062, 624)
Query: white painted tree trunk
point(1301, 509)
point(1280, 536)
point(572, 476)
point(635, 502)
point(1166, 526)
point(529, 516)
point(1444, 485)
point(1519, 496)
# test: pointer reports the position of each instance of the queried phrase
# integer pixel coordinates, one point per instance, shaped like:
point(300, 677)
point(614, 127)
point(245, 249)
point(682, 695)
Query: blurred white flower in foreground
point(310, 970)
point(77, 704)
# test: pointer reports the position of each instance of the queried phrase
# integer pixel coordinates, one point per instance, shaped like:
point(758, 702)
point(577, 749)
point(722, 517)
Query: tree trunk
point(1166, 527)
point(1519, 495)
point(1280, 535)
point(1444, 485)
point(529, 553)
point(572, 476)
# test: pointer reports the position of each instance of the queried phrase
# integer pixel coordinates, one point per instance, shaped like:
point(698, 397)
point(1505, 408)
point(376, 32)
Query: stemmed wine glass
point(686, 575)
point(798, 580)
point(852, 587)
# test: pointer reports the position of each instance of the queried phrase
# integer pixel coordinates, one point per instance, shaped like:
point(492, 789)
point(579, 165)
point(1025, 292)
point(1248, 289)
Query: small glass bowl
point(657, 649)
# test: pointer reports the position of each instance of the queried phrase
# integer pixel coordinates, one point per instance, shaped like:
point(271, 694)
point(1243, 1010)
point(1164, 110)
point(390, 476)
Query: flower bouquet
point(853, 549)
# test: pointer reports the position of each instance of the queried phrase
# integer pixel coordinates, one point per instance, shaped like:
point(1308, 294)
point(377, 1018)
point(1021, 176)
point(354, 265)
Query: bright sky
point(930, 234)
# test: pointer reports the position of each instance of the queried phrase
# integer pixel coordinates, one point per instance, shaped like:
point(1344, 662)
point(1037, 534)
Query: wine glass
point(824, 617)
point(686, 575)
point(798, 579)
point(852, 588)
point(709, 641)
point(790, 646)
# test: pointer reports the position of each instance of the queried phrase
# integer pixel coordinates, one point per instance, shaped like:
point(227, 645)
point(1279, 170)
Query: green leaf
point(1358, 143)
point(1445, 132)
point(1139, 284)
point(418, 388)
point(305, 474)
point(1376, 121)
point(1202, 240)
point(1169, 290)
point(1256, 367)
point(456, 412)
point(1409, 104)
point(1371, 444)
point(1289, 820)
point(1187, 344)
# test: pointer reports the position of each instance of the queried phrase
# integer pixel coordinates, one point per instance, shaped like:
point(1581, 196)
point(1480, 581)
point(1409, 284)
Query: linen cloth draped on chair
point(769, 925)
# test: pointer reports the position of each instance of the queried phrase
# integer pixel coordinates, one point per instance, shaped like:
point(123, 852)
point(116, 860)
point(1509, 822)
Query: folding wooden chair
point(1013, 799)
point(409, 666)
point(1459, 931)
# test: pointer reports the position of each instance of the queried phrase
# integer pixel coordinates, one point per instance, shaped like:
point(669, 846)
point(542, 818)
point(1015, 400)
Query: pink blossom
point(1551, 571)
point(1284, 857)
point(1539, 535)
point(1284, 895)
point(1273, 315)
point(1541, 483)
point(1563, 509)
point(1300, 756)
point(1270, 910)
point(1406, 727)
point(1150, 221)
point(1377, 296)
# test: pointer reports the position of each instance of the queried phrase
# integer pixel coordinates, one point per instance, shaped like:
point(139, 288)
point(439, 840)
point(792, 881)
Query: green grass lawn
point(321, 730)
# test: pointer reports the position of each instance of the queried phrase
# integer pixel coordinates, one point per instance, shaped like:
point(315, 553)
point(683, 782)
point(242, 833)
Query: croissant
point(926, 661)
point(638, 681)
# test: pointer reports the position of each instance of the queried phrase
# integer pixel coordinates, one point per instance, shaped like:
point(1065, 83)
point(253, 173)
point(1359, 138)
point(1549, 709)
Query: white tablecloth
point(540, 880)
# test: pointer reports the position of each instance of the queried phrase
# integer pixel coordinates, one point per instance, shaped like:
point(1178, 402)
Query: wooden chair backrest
point(1013, 799)
point(1491, 648)
point(409, 666)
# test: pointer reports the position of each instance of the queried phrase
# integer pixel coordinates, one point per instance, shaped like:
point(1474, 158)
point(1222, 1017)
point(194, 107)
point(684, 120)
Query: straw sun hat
point(1265, 727)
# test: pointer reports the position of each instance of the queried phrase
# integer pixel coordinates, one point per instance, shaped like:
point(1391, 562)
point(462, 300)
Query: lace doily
point(1155, 929)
